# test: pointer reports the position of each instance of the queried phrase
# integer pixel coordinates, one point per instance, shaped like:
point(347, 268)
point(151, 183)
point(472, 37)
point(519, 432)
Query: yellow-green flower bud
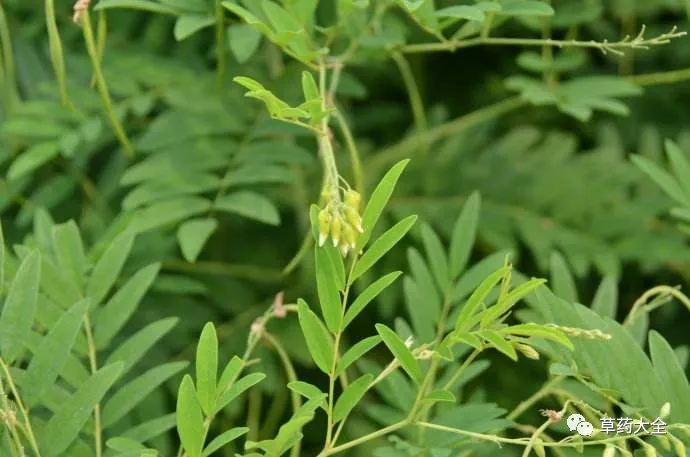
point(336, 229)
point(679, 447)
point(649, 451)
point(324, 225)
point(349, 235)
point(527, 351)
point(354, 219)
point(353, 199)
point(610, 451)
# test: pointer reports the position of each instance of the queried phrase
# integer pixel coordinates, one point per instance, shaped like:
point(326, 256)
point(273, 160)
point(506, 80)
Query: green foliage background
point(215, 194)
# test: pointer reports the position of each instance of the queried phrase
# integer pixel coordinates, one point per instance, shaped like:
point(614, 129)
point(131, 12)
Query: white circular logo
point(585, 428)
point(573, 420)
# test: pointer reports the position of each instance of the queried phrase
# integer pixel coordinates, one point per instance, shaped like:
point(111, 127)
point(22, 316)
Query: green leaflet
point(464, 234)
point(136, 346)
point(378, 201)
point(19, 308)
point(475, 300)
point(400, 352)
point(356, 352)
point(437, 257)
point(352, 394)
point(193, 235)
point(318, 340)
point(562, 281)
point(250, 205)
point(540, 331)
point(51, 355)
point(69, 250)
point(326, 283)
point(108, 267)
point(497, 341)
point(605, 301)
point(308, 391)
point(63, 428)
point(207, 368)
point(368, 294)
point(117, 311)
point(223, 439)
point(382, 245)
point(130, 395)
point(236, 389)
point(190, 421)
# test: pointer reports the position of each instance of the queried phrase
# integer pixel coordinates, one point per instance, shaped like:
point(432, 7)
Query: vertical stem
point(93, 362)
point(25, 413)
point(220, 44)
point(8, 61)
point(254, 413)
point(415, 99)
point(103, 87)
point(355, 160)
point(101, 36)
point(547, 53)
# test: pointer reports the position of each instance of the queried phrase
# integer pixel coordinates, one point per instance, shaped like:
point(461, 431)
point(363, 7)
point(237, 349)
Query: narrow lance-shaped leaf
point(540, 331)
point(129, 396)
point(379, 200)
point(20, 306)
point(352, 394)
point(237, 388)
point(382, 245)
point(52, 353)
point(401, 352)
point(661, 178)
point(356, 352)
point(497, 340)
point(476, 299)
point(224, 439)
point(605, 299)
point(511, 299)
point(69, 249)
point(190, 421)
point(64, 427)
point(437, 257)
point(318, 340)
point(562, 281)
point(329, 297)
point(464, 234)
point(117, 311)
point(368, 294)
point(108, 267)
point(207, 368)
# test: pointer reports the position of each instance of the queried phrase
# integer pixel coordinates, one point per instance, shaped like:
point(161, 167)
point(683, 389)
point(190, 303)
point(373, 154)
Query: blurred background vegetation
point(555, 188)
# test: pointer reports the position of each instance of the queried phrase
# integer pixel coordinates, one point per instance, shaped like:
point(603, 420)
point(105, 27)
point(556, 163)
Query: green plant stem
point(93, 362)
point(415, 100)
point(535, 397)
point(659, 78)
point(533, 439)
point(303, 250)
point(252, 272)
point(453, 45)
point(371, 436)
point(101, 37)
point(461, 369)
point(20, 404)
point(658, 290)
point(405, 147)
point(355, 160)
point(103, 87)
point(10, 77)
point(254, 413)
point(220, 45)
point(291, 376)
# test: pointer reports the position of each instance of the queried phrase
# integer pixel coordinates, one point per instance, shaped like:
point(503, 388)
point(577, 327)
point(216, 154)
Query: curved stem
point(431, 136)
point(355, 160)
point(103, 87)
point(10, 78)
point(93, 362)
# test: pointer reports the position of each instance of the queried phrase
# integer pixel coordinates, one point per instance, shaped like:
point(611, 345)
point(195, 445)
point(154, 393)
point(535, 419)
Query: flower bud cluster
point(341, 221)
